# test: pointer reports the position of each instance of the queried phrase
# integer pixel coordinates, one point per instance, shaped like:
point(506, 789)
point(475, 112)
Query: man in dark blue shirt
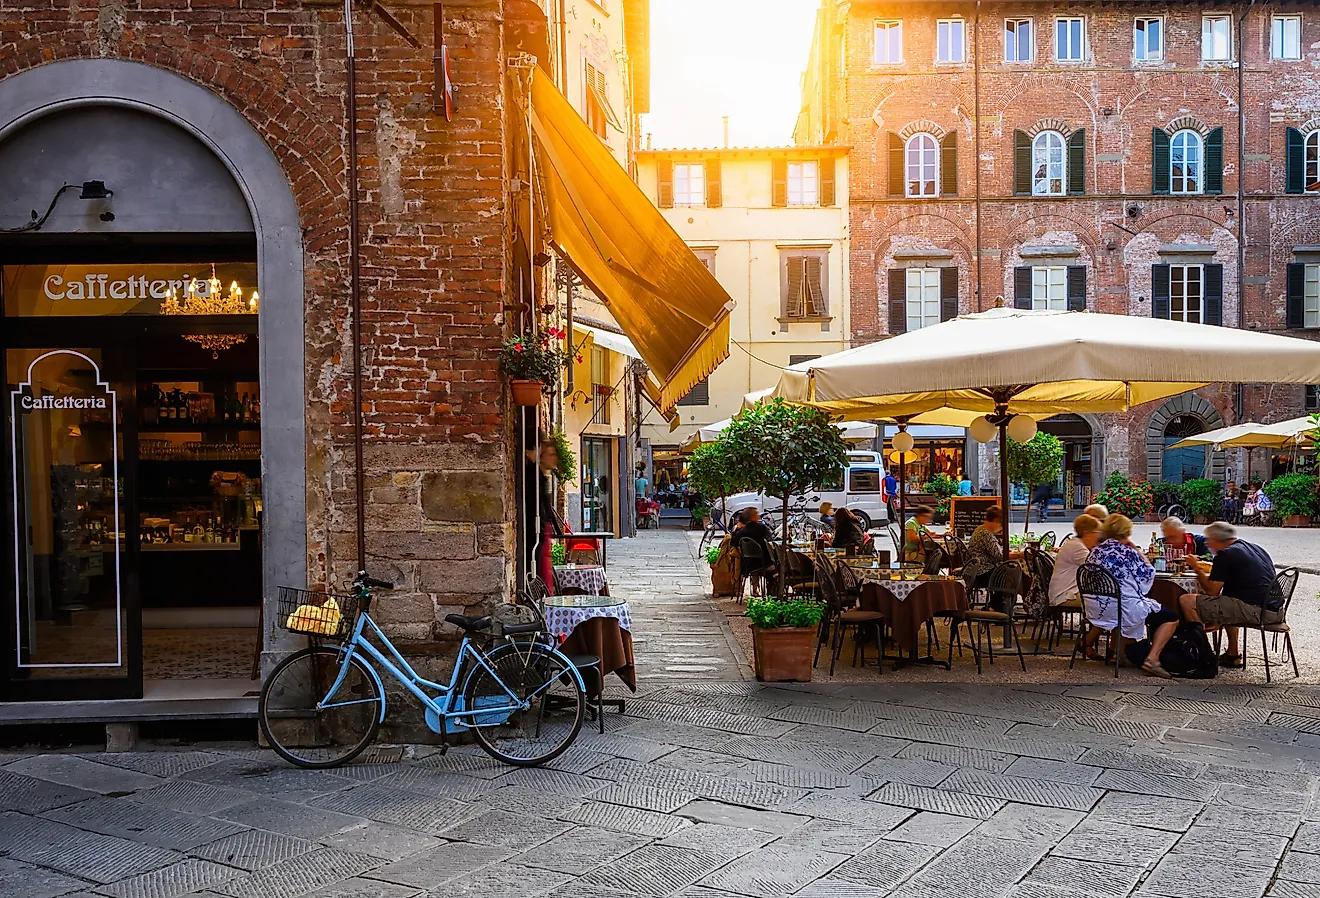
point(1237, 589)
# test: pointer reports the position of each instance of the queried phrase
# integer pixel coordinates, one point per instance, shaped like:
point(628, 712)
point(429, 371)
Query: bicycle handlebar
point(364, 580)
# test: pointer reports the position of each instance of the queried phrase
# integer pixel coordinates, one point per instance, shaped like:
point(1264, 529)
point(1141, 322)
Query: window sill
point(806, 319)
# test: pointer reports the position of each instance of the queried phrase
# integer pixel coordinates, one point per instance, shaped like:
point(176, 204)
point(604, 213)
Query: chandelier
point(205, 298)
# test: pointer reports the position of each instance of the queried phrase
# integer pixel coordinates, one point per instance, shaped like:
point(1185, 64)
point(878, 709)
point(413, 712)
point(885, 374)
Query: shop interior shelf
point(209, 427)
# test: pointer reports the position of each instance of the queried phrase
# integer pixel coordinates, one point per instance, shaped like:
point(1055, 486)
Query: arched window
point(1047, 164)
point(1187, 463)
point(1185, 162)
point(922, 157)
point(1312, 167)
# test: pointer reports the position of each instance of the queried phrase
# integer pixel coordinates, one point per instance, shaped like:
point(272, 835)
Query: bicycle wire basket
point(314, 613)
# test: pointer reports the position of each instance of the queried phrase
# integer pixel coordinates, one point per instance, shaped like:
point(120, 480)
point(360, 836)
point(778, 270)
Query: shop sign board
point(43, 291)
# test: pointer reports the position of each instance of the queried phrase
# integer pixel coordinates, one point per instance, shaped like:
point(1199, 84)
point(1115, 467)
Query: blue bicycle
point(522, 700)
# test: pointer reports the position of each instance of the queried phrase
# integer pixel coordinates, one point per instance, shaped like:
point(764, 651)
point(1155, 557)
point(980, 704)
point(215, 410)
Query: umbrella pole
point(1003, 485)
point(902, 506)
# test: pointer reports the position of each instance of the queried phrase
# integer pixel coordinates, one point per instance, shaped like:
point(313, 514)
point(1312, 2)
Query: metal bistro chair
point(1047, 540)
point(956, 552)
point(838, 619)
point(752, 565)
point(802, 574)
point(1095, 582)
point(1285, 584)
point(896, 537)
point(533, 597)
point(1005, 583)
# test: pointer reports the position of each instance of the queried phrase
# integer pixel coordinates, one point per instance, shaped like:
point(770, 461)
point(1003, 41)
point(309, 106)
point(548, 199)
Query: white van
point(861, 492)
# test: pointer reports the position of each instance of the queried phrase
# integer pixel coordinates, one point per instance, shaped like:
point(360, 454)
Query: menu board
point(966, 513)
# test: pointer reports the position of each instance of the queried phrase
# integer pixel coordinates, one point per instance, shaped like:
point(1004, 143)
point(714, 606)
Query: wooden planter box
point(1297, 520)
point(784, 653)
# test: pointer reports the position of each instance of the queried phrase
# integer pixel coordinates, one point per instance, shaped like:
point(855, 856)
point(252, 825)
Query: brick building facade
point(1106, 173)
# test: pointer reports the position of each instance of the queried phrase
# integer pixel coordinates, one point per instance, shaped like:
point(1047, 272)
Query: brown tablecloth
point(613, 645)
point(1166, 592)
point(905, 618)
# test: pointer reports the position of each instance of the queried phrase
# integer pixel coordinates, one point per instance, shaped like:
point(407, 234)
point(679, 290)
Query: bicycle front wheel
point(305, 722)
point(528, 674)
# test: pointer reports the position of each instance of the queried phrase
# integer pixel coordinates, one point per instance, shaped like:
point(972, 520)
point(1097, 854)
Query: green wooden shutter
point(664, 183)
point(897, 301)
point(779, 182)
point(1159, 291)
point(948, 294)
point(1159, 162)
point(896, 176)
point(1296, 308)
point(949, 164)
point(1213, 295)
point(714, 189)
point(1214, 161)
point(1295, 154)
point(1022, 163)
point(827, 181)
point(1077, 162)
point(1076, 288)
point(1022, 287)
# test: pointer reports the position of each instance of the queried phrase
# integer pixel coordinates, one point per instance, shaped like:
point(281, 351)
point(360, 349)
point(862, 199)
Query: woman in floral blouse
point(1117, 554)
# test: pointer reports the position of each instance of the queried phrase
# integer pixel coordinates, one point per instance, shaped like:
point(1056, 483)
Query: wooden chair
point(1005, 584)
point(1096, 582)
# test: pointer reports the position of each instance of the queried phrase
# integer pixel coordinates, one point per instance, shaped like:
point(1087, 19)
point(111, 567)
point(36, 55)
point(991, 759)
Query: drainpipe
point(355, 293)
point(1239, 390)
point(976, 138)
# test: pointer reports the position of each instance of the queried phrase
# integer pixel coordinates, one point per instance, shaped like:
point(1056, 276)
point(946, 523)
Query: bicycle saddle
point(466, 622)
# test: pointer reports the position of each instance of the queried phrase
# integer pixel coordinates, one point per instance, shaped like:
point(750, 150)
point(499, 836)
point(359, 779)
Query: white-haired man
point(1236, 590)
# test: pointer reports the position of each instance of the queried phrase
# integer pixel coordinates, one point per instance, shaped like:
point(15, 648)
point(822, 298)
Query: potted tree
point(782, 450)
point(711, 473)
point(1202, 498)
point(532, 362)
point(943, 487)
point(783, 638)
point(1294, 498)
point(1039, 460)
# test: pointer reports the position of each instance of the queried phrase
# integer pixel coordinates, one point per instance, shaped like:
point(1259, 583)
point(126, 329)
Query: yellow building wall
point(577, 421)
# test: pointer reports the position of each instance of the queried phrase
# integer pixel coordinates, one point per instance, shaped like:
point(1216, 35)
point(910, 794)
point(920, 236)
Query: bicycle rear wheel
point(306, 726)
point(543, 680)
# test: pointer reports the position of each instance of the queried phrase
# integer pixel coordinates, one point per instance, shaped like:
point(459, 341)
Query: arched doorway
point(1188, 462)
point(1083, 459)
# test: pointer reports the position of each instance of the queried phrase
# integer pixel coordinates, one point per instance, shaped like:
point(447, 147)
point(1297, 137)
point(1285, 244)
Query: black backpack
point(1187, 655)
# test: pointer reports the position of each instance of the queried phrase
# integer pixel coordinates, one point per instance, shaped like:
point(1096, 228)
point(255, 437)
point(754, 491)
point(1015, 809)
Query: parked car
point(861, 492)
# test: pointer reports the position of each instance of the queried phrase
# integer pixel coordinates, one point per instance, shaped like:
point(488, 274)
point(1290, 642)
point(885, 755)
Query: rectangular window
point(689, 184)
point(803, 184)
point(1148, 39)
point(707, 257)
point(1186, 292)
point(600, 386)
point(923, 298)
point(1069, 36)
point(1049, 288)
point(949, 41)
point(1286, 37)
point(1311, 296)
point(863, 480)
point(1312, 398)
point(1217, 38)
point(799, 359)
point(1019, 43)
point(699, 394)
point(888, 43)
point(596, 103)
point(803, 282)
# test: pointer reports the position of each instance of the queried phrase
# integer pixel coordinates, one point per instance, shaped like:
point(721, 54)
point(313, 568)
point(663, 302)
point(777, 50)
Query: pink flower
point(518, 348)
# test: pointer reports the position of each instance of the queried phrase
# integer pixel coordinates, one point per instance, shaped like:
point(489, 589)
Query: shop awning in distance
point(608, 340)
point(662, 296)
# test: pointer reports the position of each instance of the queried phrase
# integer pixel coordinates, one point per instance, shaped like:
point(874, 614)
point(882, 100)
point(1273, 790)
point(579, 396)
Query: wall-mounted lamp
point(95, 190)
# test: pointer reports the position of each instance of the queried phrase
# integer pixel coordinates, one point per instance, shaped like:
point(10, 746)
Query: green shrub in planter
point(943, 487)
point(1202, 496)
point(771, 613)
point(558, 553)
point(712, 555)
point(1131, 498)
point(1292, 494)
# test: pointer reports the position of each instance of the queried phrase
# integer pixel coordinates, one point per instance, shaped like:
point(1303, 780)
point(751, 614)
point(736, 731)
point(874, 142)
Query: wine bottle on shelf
point(185, 413)
point(167, 410)
point(256, 408)
point(244, 409)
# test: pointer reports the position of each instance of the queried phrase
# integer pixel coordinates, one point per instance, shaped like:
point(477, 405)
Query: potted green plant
point(1039, 460)
point(783, 638)
point(1131, 498)
point(1294, 498)
point(1202, 498)
point(943, 487)
point(712, 555)
point(782, 450)
point(532, 362)
point(566, 472)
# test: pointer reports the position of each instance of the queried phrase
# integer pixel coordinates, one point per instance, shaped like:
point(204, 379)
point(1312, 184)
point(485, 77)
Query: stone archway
point(1186, 405)
point(71, 84)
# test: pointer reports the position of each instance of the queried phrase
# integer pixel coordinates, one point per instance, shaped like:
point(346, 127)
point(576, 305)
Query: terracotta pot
point(784, 653)
point(1153, 519)
point(527, 392)
point(1204, 519)
point(1297, 520)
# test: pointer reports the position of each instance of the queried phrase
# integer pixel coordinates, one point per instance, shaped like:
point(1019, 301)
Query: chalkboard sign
point(966, 513)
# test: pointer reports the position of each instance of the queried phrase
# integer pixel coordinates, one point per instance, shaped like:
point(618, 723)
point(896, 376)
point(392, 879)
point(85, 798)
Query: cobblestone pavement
point(716, 788)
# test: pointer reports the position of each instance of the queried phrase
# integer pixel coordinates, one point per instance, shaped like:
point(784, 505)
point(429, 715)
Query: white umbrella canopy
point(852, 431)
point(1018, 361)
point(1283, 435)
point(1219, 436)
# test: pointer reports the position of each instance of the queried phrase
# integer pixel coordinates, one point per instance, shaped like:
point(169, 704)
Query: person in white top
point(1072, 555)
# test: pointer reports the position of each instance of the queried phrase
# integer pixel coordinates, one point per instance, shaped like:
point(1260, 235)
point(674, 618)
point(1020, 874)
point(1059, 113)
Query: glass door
point(597, 492)
point(73, 629)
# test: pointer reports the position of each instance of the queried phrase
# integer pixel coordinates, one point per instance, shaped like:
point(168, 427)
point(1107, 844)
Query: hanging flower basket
point(527, 392)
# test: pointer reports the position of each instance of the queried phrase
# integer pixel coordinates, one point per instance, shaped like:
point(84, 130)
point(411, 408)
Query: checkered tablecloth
point(562, 621)
point(900, 588)
point(589, 579)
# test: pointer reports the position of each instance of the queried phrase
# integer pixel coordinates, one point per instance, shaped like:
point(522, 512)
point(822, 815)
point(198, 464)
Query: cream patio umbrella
point(851, 431)
point(1288, 434)
point(1008, 364)
point(1219, 436)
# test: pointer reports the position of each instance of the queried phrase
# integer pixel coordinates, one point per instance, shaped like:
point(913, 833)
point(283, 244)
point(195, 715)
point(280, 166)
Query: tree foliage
point(1039, 460)
point(781, 449)
point(711, 472)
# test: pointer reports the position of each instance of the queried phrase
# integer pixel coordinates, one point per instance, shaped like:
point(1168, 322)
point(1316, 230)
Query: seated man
point(1176, 537)
point(1236, 590)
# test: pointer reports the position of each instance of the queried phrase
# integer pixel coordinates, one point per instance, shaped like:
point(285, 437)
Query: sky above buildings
point(740, 58)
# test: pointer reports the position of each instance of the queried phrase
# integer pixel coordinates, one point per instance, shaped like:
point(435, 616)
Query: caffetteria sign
point(30, 403)
point(93, 290)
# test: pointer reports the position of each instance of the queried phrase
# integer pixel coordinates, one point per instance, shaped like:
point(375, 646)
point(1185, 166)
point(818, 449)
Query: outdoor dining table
point(595, 625)
point(1167, 589)
point(590, 578)
point(908, 604)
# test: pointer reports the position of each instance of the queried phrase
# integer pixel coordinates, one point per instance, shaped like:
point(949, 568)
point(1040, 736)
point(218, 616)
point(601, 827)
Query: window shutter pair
point(1022, 287)
point(779, 182)
point(1296, 308)
point(805, 296)
point(664, 183)
point(1295, 154)
point(949, 164)
point(897, 301)
point(1212, 162)
point(1212, 293)
point(714, 190)
point(1022, 163)
point(827, 181)
point(897, 175)
point(948, 294)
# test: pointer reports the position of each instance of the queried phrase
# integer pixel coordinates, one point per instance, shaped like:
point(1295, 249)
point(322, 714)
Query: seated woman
point(985, 550)
point(917, 526)
point(1072, 555)
point(1117, 554)
point(826, 513)
point(848, 531)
